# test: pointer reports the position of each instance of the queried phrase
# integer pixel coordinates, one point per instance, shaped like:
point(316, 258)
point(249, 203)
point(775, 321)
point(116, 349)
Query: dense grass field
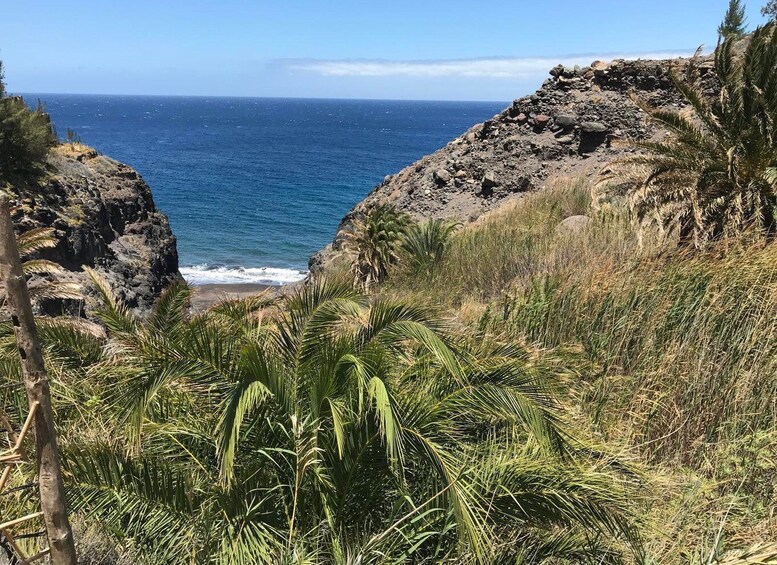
point(671, 354)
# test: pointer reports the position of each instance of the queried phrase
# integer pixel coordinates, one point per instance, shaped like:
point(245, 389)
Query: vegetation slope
point(587, 376)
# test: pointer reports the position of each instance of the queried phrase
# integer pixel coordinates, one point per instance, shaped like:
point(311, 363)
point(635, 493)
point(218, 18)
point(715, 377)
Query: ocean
point(254, 186)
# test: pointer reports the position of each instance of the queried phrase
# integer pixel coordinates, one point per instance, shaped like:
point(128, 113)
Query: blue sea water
point(254, 186)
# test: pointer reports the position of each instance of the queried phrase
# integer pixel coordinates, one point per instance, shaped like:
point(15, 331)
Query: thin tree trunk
point(52, 498)
point(9, 553)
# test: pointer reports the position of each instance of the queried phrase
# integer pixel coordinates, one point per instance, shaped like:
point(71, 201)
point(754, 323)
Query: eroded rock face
point(566, 127)
point(105, 218)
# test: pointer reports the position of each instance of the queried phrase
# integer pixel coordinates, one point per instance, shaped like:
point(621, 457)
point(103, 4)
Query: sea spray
point(205, 274)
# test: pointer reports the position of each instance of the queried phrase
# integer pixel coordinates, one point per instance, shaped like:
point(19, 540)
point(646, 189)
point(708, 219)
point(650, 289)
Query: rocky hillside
point(568, 126)
point(105, 217)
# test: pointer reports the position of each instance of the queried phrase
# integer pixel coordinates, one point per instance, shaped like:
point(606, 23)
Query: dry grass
point(679, 354)
point(687, 343)
point(74, 150)
point(523, 240)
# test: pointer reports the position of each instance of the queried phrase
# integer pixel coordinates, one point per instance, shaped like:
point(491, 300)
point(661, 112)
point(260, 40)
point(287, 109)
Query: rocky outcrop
point(568, 126)
point(105, 218)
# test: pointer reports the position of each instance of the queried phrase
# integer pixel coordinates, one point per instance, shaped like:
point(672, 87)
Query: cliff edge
point(104, 217)
point(568, 126)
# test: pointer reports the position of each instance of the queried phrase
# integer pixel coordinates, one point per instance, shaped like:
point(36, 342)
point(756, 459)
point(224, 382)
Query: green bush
point(374, 243)
point(425, 245)
point(25, 136)
point(327, 427)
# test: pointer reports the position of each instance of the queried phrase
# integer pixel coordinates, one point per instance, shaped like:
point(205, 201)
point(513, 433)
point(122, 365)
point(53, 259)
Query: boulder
point(541, 121)
point(565, 121)
point(574, 224)
point(593, 136)
point(488, 183)
point(521, 184)
point(441, 176)
point(557, 71)
point(593, 127)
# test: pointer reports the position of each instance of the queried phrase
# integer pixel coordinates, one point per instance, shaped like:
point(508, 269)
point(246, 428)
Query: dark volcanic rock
point(565, 121)
point(488, 184)
point(105, 218)
point(521, 148)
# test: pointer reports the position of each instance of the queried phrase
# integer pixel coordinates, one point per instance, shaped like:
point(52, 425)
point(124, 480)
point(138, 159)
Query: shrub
point(425, 245)
point(25, 136)
point(374, 243)
point(733, 24)
point(332, 428)
point(770, 10)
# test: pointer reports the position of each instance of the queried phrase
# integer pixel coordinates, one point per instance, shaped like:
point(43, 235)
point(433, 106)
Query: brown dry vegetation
point(672, 355)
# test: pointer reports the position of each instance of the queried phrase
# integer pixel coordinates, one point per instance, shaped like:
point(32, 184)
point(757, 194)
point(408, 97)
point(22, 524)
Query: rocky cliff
point(568, 126)
point(105, 217)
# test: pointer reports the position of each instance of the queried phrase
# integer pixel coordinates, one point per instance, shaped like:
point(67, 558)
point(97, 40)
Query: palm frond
point(36, 239)
point(713, 177)
point(146, 500)
point(112, 311)
point(171, 308)
point(41, 267)
point(43, 290)
point(758, 554)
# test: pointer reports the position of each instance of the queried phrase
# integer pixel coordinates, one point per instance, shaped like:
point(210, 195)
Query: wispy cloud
point(490, 67)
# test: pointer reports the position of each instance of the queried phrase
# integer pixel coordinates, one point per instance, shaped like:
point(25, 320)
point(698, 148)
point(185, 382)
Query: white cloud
point(490, 67)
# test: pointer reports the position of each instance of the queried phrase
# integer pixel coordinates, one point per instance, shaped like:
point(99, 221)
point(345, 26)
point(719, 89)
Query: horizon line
point(247, 96)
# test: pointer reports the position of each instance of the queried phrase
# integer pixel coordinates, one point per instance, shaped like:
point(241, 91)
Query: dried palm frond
point(758, 554)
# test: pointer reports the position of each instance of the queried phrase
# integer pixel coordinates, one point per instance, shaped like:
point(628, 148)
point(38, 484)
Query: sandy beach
point(207, 295)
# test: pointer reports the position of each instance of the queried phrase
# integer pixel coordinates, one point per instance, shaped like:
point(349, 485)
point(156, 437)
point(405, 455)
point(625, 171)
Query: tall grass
point(522, 240)
point(688, 343)
point(678, 351)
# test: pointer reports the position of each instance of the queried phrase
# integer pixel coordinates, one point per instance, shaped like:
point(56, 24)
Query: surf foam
point(205, 274)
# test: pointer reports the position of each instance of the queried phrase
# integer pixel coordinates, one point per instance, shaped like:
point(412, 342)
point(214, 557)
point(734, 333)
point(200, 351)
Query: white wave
point(204, 274)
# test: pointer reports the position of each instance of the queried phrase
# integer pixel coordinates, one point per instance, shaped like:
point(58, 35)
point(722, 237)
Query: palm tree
point(329, 428)
point(374, 242)
point(716, 174)
point(425, 245)
point(733, 24)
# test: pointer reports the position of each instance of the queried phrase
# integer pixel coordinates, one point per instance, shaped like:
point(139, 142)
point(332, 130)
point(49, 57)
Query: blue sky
point(395, 49)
